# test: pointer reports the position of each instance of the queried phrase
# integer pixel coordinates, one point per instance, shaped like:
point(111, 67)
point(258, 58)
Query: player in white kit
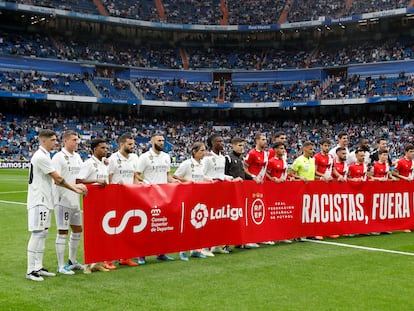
point(94, 171)
point(123, 171)
point(42, 175)
point(67, 163)
point(154, 167)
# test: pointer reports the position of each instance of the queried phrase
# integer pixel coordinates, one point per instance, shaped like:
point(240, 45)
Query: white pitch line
point(9, 192)
point(12, 202)
point(362, 247)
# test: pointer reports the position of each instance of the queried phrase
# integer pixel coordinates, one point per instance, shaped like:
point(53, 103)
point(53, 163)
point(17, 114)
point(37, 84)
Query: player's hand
point(81, 189)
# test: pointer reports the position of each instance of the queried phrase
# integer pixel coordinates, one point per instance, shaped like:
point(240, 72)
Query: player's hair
point(324, 141)
point(237, 140)
point(156, 134)
point(359, 150)
point(341, 134)
point(124, 137)
point(69, 133)
point(96, 142)
point(340, 149)
point(196, 147)
point(308, 143)
point(409, 147)
point(278, 144)
point(279, 133)
point(211, 139)
point(46, 133)
point(258, 135)
point(379, 139)
point(382, 151)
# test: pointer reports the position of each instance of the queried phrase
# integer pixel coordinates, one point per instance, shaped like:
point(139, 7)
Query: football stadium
point(318, 97)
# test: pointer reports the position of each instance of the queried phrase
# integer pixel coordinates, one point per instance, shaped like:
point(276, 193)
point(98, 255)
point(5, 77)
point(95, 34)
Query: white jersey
point(333, 152)
point(154, 166)
point(214, 167)
point(68, 166)
point(93, 169)
point(122, 169)
point(40, 182)
point(191, 169)
point(352, 158)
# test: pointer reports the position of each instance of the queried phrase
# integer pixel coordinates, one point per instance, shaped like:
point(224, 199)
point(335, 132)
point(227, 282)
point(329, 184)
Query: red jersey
point(341, 168)
point(357, 170)
point(381, 170)
point(257, 160)
point(277, 168)
point(324, 164)
point(405, 167)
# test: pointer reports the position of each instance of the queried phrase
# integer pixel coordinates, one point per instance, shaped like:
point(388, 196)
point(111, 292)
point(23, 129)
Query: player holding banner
point(257, 159)
point(381, 169)
point(324, 161)
point(67, 163)
point(256, 162)
point(94, 171)
point(42, 175)
point(404, 166)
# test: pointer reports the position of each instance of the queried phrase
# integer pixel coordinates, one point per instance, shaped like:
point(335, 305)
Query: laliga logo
point(136, 213)
point(199, 216)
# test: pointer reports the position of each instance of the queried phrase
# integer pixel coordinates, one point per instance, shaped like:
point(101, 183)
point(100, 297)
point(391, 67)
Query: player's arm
point(171, 179)
point(396, 173)
point(101, 182)
point(60, 181)
point(137, 178)
point(294, 174)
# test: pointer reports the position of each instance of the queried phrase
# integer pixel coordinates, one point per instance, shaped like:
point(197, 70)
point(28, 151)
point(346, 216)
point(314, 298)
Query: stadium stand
point(239, 12)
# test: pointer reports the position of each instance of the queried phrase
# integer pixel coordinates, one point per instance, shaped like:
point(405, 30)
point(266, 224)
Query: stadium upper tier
point(148, 55)
point(224, 12)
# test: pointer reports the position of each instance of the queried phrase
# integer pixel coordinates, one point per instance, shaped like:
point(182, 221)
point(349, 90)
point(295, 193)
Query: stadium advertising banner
point(126, 221)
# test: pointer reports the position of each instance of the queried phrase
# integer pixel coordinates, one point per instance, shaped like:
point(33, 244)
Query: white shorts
point(39, 217)
point(66, 217)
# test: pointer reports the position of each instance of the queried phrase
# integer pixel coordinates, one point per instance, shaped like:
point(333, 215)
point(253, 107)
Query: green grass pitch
point(300, 276)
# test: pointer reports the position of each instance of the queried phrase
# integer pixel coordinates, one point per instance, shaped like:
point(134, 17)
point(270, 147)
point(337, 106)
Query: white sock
point(32, 247)
point(40, 249)
point(60, 249)
point(73, 245)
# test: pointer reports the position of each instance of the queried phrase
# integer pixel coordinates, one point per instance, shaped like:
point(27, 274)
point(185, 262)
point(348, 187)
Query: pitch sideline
point(13, 202)
point(372, 249)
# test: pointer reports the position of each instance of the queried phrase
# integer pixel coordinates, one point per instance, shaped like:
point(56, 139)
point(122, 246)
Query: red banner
point(127, 221)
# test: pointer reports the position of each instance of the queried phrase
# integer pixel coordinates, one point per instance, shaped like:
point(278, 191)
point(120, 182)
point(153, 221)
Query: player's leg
point(75, 237)
point(39, 222)
point(62, 224)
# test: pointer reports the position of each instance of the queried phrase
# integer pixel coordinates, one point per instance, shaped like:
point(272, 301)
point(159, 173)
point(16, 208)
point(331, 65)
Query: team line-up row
point(56, 182)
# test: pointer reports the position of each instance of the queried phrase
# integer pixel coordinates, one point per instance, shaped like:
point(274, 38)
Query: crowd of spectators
point(18, 133)
point(164, 57)
point(181, 90)
point(41, 83)
point(240, 12)
point(334, 87)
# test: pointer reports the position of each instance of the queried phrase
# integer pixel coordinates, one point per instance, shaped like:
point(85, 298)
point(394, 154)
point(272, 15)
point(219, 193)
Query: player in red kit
point(404, 167)
point(277, 167)
point(340, 167)
point(381, 169)
point(324, 161)
point(358, 170)
point(258, 158)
